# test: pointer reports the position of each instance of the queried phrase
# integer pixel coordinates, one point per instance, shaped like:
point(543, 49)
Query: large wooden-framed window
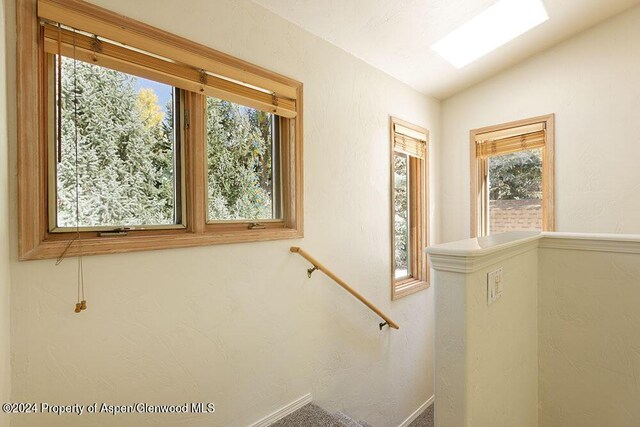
point(512, 176)
point(210, 114)
point(409, 208)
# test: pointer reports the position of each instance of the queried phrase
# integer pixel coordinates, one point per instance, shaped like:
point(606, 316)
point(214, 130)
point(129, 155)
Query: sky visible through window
point(163, 91)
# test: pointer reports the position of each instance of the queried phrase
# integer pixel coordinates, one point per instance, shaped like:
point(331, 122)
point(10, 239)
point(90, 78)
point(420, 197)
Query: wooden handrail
point(318, 266)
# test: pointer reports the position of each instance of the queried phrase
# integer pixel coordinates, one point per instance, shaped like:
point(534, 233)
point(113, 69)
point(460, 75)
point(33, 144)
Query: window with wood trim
point(409, 208)
point(512, 177)
point(131, 138)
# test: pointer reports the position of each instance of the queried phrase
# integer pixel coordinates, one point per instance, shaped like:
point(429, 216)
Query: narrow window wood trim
point(28, 130)
point(34, 239)
point(478, 173)
point(419, 214)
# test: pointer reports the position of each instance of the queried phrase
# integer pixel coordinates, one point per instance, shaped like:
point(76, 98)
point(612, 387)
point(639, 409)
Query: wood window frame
point(418, 216)
point(35, 241)
point(478, 170)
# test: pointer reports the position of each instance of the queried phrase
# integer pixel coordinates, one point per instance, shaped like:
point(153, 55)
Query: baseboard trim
point(284, 411)
point(417, 412)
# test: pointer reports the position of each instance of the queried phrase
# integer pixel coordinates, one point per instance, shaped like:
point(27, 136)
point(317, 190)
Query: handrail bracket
point(311, 270)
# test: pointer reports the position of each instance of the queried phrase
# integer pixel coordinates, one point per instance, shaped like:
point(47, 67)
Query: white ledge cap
point(472, 254)
point(486, 245)
point(592, 236)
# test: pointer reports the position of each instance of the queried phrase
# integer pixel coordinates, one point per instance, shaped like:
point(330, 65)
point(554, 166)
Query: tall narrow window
point(512, 177)
point(401, 226)
point(409, 208)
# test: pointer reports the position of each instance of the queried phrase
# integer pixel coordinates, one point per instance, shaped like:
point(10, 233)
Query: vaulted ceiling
point(395, 35)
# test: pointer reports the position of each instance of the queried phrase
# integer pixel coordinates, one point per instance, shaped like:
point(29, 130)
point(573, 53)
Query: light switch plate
point(495, 285)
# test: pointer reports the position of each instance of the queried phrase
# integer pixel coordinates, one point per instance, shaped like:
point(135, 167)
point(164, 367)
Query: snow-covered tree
point(401, 212)
point(239, 153)
point(516, 175)
point(122, 151)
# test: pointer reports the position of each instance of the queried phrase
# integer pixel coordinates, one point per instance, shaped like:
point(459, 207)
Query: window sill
point(53, 248)
point(408, 287)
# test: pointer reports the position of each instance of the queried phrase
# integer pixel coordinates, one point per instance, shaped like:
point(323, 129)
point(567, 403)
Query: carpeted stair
point(349, 422)
point(314, 416)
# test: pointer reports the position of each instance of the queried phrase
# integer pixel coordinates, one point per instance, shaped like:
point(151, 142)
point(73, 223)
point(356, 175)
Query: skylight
point(497, 25)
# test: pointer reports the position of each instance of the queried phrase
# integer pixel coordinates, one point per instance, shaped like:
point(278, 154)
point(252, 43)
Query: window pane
point(242, 155)
point(401, 215)
point(125, 158)
point(515, 191)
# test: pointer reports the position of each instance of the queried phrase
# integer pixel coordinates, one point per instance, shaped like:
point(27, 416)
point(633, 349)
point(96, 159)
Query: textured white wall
point(487, 356)
point(502, 340)
point(450, 348)
point(5, 355)
point(591, 83)
point(589, 342)
point(241, 325)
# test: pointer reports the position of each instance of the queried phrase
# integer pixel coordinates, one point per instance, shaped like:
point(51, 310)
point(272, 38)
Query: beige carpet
point(425, 419)
point(313, 416)
point(309, 415)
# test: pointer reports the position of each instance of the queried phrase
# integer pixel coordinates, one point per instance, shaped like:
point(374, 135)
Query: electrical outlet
point(494, 285)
